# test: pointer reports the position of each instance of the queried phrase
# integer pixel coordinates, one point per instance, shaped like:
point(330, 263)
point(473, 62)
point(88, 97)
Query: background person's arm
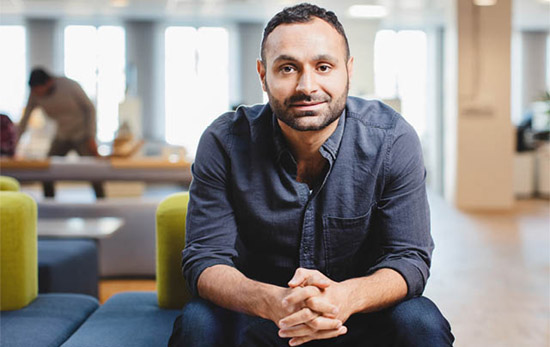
point(22, 126)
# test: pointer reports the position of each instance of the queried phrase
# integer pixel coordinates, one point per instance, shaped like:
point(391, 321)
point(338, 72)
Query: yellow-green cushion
point(18, 250)
point(172, 291)
point(9, 183)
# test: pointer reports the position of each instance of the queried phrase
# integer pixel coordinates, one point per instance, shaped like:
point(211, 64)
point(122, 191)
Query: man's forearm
point(228, 287)
point(382, 289)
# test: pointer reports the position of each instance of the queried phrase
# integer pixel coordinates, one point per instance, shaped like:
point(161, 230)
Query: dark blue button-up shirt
point(368, 211)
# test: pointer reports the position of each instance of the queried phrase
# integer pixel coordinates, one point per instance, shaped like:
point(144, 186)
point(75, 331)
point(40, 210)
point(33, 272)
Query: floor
point(490, 273)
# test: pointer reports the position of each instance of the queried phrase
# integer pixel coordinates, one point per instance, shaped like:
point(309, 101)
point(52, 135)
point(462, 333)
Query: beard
point(284, 112)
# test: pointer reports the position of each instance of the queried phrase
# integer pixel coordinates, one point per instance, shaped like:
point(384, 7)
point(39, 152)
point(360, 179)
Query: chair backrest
point(18, 250)
point(9, 184)
point(172, 291)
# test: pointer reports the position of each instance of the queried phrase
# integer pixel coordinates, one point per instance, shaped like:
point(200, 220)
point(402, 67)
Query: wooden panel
point(24, 164)
point(148, 163)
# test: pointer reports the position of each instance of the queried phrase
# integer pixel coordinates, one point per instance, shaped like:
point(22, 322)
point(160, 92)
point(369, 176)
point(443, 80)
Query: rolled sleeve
point(211, 228)
point(404, 213)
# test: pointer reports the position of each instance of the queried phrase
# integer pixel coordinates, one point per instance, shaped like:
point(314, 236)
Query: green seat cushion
point(9, 183)
point(18, 250)
point(170, 223)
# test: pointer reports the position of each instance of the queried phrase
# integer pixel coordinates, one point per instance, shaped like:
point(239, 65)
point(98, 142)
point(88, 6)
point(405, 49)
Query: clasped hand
point(312, 308)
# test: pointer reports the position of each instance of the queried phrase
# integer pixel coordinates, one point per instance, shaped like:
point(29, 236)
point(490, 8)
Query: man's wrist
point(268, 295)
point(354, 294)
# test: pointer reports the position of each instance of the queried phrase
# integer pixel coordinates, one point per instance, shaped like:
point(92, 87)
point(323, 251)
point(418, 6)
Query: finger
point(299, 295)
point(301, 330)
point(322, 305)
point(320, 335)
point(324, 323)
point(302, 316)
point(298, 278)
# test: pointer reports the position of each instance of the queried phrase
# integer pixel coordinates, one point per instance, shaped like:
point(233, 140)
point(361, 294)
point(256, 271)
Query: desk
point(98, 169)
point(95, 228)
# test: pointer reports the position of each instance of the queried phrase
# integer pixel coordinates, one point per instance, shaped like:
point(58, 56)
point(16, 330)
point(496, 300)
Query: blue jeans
point(415, 322)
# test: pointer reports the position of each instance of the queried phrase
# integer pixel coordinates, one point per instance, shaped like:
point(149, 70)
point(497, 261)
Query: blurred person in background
point(64, 101)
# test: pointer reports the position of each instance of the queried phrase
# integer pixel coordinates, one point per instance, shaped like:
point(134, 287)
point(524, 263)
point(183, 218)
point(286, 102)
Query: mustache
point(304, 97)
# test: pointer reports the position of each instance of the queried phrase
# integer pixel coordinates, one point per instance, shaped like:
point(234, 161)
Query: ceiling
point(527, 14)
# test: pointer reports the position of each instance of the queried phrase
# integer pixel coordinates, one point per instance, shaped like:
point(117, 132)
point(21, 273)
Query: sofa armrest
point(170, 229)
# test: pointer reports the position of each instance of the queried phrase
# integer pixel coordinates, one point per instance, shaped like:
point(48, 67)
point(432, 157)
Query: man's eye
point(287, 69)
point(324, 68)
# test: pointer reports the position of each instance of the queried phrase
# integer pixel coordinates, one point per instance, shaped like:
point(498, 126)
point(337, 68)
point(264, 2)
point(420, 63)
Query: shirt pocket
point(344, 238)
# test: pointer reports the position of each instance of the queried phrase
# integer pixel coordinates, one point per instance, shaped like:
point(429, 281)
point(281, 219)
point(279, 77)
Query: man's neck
point(305, 145)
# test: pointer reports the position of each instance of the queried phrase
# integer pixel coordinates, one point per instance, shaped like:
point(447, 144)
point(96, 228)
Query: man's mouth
point(307, 106)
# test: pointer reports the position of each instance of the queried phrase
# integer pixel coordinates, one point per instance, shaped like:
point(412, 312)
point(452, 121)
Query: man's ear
point(260, 67)
point(350, 67)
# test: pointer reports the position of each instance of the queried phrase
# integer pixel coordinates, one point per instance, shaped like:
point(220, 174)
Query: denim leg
point(415, 322)
point(418, 322)
point(203, 323)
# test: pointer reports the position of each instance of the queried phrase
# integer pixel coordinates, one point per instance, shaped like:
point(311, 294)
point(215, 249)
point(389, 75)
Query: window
point(400, 71)
point(196, 82)
point(95, 58)
point(13, 72)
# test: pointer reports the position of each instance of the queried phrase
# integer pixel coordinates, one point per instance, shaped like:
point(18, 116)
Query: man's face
point(306, 74)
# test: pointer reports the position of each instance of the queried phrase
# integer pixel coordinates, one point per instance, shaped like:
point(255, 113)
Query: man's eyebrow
point(284, 57)
point(320, 57)
point(326, 57)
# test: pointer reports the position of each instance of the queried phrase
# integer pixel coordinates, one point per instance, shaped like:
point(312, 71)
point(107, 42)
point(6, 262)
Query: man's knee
point(418, 322)
point(201, 324)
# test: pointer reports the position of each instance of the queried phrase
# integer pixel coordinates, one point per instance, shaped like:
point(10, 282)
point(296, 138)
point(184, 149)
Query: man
point(67, 104)
point(308, 218)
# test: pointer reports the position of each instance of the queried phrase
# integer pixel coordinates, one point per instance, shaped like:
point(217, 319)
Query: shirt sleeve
point(211, 228)
point(403, 211)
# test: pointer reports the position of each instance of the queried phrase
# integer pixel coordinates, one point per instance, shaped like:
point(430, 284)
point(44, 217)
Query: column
point(481, 144)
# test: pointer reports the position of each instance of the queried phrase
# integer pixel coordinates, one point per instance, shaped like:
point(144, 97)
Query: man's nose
point(306, 82)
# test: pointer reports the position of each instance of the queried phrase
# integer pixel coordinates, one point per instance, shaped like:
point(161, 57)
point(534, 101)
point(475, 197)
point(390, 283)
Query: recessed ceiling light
point(485, 2)
point(368, 11)
point(119, 3)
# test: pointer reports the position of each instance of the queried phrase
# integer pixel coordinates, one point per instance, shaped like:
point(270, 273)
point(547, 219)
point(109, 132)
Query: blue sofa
point(26, 318)
point(126, 319)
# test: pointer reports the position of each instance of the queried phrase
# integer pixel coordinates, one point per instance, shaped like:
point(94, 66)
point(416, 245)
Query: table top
point(153, 169)
point(96, 228)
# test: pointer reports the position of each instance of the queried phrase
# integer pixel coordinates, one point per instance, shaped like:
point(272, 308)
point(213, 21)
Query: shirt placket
point(308, 229)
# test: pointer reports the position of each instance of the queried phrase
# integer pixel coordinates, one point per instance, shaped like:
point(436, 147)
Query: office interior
point(471, 76)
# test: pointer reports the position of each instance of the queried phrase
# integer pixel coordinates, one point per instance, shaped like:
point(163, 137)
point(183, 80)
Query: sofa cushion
point(67, 266)
point(18, 266)
point(126, 319)
point(47, 321)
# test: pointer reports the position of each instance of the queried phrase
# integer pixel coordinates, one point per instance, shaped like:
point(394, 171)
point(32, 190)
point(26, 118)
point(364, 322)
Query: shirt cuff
point(192, 275)
point(412, 275)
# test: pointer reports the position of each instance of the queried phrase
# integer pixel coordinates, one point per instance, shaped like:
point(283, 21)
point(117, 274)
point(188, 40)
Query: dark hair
point(39, 77)
point(303, 13)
